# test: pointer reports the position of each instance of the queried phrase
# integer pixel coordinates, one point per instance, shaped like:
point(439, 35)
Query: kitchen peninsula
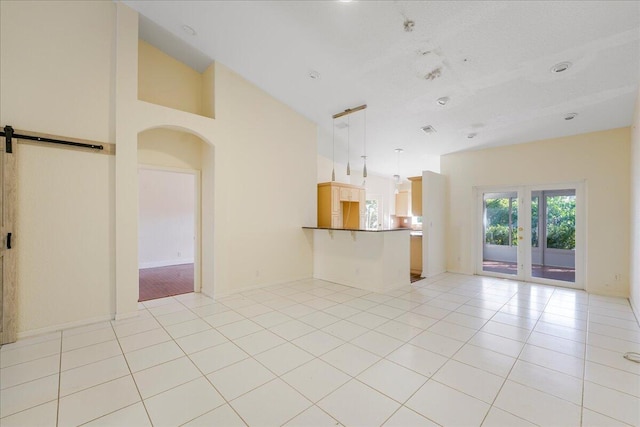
point(372, 260)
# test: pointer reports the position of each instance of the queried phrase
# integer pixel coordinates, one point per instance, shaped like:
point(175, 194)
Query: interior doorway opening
point(167, 232)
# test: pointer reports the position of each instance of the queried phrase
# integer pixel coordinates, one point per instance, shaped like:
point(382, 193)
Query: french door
point(532, 233)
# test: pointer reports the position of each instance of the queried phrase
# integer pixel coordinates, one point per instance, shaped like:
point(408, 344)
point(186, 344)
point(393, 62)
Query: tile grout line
point(387, 320)
point(506, 378)
point(203, 375)
point(59, 380)
point(132, 378)
point(584, 367)
point(518, 358)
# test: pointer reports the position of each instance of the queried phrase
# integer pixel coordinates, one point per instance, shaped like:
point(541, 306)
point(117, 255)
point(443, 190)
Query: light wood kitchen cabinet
point(416, 195)
point(403, 203)
point(341, 205)
point(349, 194)
point(416, 254)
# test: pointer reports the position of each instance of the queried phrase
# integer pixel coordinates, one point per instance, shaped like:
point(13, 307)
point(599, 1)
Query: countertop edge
point(357, 229)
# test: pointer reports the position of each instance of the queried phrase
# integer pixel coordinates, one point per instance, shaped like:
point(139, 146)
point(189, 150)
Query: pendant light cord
point(364, 170)
point(333, 150)
point(348, 145)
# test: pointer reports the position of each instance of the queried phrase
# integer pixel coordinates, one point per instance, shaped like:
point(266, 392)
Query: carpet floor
point(160, 282)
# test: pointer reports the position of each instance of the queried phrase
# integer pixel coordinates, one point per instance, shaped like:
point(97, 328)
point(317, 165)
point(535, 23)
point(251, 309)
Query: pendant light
point(348, 141)
point(333, 151)
point(364, 168)
point(342, 114)
point(397, 175)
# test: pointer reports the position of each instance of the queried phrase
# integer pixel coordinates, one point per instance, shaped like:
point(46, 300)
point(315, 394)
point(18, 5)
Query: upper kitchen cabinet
point(341, 205)
point(403, 203)
point(416, 195)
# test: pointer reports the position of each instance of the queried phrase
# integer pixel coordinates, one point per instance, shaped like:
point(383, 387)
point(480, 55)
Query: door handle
point(8, 240)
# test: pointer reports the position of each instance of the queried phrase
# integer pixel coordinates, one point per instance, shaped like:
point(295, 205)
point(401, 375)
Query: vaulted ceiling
point(492, 60)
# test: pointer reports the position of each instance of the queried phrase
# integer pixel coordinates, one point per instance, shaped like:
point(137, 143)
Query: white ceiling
point(494, 61)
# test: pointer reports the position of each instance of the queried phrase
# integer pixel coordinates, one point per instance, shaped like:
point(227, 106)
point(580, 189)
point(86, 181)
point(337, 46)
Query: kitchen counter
point(367, 230)
point(373, 260)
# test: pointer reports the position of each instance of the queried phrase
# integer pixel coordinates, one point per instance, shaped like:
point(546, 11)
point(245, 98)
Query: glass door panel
point(500, 233)
point(553, 223)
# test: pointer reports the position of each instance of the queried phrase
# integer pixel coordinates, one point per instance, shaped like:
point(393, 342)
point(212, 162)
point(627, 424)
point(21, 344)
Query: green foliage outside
point(561, 222)
point(497, 222)
point(372, 214)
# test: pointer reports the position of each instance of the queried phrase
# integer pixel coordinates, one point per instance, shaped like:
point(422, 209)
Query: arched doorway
point(169, 212)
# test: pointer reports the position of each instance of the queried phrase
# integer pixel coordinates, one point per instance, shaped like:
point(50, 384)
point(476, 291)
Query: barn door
point(8, 200)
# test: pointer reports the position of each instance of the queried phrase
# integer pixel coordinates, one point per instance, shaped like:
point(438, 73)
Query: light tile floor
point(452, 350)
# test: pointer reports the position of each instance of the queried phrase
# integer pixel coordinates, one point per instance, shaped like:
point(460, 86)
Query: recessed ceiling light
point(560, 67)
point(313, 74)
point(570, 116)
point(443, 101)
point(189, 30)
point(398, 150)
point(471, 135)
point(428, 129)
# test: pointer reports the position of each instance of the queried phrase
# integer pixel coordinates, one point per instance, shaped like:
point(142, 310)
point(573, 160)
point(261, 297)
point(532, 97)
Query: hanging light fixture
point(333, 151)
point(345, 113)
point(364, 168)
point(348, 142)
point(396, 177)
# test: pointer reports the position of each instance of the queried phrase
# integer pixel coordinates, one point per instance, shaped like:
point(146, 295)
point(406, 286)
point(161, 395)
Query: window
point(501, 221)
point(561, 221)
point(372, 214)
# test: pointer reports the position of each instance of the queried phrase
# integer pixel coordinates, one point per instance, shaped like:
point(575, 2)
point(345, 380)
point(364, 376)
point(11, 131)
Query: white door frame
point(197, 276)
point(524, 226)
point(478, 193)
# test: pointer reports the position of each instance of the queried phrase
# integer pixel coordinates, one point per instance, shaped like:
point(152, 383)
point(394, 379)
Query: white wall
point(325, 165)
point(634, 273)
point(434, 259)
point(166, 221)
point(382, 187)
point(600, 159)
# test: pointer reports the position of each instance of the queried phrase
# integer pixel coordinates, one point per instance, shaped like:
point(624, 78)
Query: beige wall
point(601, 159)
point(170, 148)
point(635, 210)
point(265, 187)
point(166, 81)
point(56, 63)
point(77, 238)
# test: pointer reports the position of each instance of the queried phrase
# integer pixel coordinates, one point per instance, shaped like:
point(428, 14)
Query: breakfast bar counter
point(372, 260)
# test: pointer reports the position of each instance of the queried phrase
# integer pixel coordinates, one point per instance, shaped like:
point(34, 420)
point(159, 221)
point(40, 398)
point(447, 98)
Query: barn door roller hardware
point(8, 133)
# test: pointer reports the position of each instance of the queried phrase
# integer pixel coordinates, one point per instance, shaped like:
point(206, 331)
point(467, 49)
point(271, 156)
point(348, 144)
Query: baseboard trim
point(635, 309)
point(63, 326)
point(166, 263)
point(124, 316)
